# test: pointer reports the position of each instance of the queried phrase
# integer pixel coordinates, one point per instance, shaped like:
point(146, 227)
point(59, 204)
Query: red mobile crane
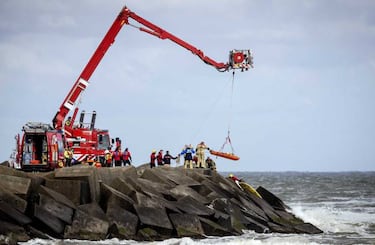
point(42, 145)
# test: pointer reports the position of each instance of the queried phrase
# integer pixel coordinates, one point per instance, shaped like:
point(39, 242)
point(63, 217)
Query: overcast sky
point(308, 104)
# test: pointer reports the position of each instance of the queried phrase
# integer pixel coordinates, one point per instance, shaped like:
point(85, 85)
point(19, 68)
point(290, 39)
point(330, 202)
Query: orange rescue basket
point(227, 155)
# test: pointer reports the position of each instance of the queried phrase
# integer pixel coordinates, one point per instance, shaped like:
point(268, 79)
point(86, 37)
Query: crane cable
point(227, 139)
point(218, 95)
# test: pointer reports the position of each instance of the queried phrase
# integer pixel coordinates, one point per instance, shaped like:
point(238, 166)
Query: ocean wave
point(336, 222)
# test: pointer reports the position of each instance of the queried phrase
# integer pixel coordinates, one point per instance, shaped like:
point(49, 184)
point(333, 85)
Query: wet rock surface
point(142, 204)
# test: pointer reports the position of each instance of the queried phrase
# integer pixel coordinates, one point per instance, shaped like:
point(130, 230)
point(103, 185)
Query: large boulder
point(17, 185)
point(123, 223)
point(11, 214)
point(77, 191)
point(12, 233)
point(12, 199)
point(187, 225)
point(89, 223)
point(49, 220)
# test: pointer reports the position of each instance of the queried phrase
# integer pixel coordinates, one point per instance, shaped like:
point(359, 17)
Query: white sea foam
point(249, 238)
point(334, 220)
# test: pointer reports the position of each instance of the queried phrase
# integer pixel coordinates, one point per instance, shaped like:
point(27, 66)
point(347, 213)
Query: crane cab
point(87, 142)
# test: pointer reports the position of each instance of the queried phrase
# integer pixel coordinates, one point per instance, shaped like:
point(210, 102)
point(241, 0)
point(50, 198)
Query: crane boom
point(238, 59)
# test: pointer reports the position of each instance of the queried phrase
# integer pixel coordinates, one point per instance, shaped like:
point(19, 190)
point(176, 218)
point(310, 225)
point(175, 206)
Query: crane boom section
point(163, 34)
point(238, 59)
point(83, 79)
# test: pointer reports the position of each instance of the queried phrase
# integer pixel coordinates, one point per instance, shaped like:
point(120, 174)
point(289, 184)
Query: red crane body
point(86, 140)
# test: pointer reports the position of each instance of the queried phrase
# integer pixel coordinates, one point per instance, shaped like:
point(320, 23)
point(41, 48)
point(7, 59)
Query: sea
point(342, 204)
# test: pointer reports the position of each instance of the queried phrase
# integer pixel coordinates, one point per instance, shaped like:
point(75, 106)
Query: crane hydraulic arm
point(238, 59)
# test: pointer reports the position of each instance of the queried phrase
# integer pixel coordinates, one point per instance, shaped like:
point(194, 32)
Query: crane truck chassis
point(42, 145)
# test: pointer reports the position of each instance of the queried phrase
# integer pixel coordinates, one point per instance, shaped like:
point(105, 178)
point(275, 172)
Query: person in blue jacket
point(188, 152)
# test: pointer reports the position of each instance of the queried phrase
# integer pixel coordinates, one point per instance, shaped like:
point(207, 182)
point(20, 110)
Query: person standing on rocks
point(188, 152)
point(167, 159)
point(210, 164)
point(159, 158)
point(117, 157)
point(201, 159)
point(68, 155)
point(152, 159)
point(108, 157)
point(127, 157)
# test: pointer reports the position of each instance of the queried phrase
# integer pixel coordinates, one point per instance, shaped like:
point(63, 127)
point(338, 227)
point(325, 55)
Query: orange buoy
point(227, 155)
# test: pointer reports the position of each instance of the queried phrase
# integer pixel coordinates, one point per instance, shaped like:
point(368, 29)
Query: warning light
point(240, 59)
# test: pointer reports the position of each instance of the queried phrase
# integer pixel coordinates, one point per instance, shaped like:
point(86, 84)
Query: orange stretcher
point(227, 155)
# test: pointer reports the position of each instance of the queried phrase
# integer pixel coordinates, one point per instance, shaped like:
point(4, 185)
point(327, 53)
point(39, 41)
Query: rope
point(231, 104)
point(202, 125)
point(227, 139)
point(214, 104)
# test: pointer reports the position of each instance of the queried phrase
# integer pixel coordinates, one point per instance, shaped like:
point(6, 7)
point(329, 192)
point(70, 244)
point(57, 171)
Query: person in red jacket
point(235, 180)
point(117, 157)
point(127, 157)
point(152, 159)
point(159, 158)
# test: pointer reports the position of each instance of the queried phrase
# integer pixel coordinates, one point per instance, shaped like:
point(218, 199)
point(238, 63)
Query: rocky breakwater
point(142, 204)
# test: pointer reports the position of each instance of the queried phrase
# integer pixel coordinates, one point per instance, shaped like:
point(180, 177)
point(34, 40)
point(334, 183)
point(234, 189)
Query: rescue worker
point(201, 147)
point(210, 164)
point(235, 180)
point(117, 157)
point(159, 158)
point(68, 155)
point(188, 152)
point(127, 157)
point(108, 158)
point(167, 159)
point(152, 159)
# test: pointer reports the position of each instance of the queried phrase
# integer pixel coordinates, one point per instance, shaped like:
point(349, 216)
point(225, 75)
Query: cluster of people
point(193, 158)
point(68, 158)
point(160, 159)
point(117, 158)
